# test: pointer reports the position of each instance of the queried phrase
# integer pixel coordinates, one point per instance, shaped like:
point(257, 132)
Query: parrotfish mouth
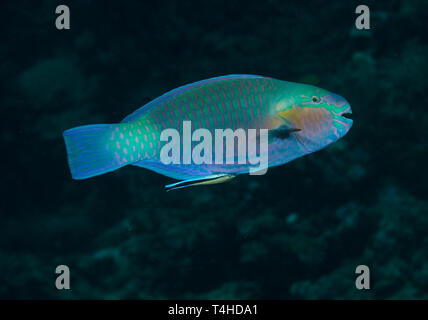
point(347, 115)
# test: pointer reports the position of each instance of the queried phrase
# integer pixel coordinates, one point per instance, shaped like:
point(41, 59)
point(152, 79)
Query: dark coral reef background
point(297, 232)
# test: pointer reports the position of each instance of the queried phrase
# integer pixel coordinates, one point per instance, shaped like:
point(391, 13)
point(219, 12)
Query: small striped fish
point(300, 118)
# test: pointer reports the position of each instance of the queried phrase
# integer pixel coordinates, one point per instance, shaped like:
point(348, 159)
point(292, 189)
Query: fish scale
point(202, 105)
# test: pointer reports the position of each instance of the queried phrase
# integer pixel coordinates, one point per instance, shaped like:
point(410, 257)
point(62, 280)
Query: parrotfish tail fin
point(88, 151)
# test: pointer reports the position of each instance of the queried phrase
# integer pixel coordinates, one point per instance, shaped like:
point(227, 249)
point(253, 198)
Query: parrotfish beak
point(342, 112)
point(346, 116)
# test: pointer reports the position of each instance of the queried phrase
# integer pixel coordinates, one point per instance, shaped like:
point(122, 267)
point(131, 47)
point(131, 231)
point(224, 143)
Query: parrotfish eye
point(316, 99)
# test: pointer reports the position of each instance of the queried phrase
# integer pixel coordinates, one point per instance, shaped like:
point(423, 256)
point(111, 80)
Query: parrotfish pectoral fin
point(282, 132)
point(214, 179)
point(282, 126)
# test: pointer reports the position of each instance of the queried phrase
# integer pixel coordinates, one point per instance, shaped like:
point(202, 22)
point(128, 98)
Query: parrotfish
point(299, 118)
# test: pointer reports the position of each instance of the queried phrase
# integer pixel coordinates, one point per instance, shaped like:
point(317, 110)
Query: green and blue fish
point(300, 119)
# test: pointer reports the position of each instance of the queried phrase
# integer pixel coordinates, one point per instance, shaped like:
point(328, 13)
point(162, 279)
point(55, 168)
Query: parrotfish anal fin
point(214, 179)
point(179, 172)
point(282, 132)
point(175, 92)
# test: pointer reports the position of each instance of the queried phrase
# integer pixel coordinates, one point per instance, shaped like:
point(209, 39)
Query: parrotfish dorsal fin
point(156, 102)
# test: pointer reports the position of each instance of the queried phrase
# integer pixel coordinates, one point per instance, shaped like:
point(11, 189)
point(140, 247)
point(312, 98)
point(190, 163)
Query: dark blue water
point(298, 232)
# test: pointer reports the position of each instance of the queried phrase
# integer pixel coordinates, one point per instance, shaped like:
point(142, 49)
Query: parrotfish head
point(322, 117)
